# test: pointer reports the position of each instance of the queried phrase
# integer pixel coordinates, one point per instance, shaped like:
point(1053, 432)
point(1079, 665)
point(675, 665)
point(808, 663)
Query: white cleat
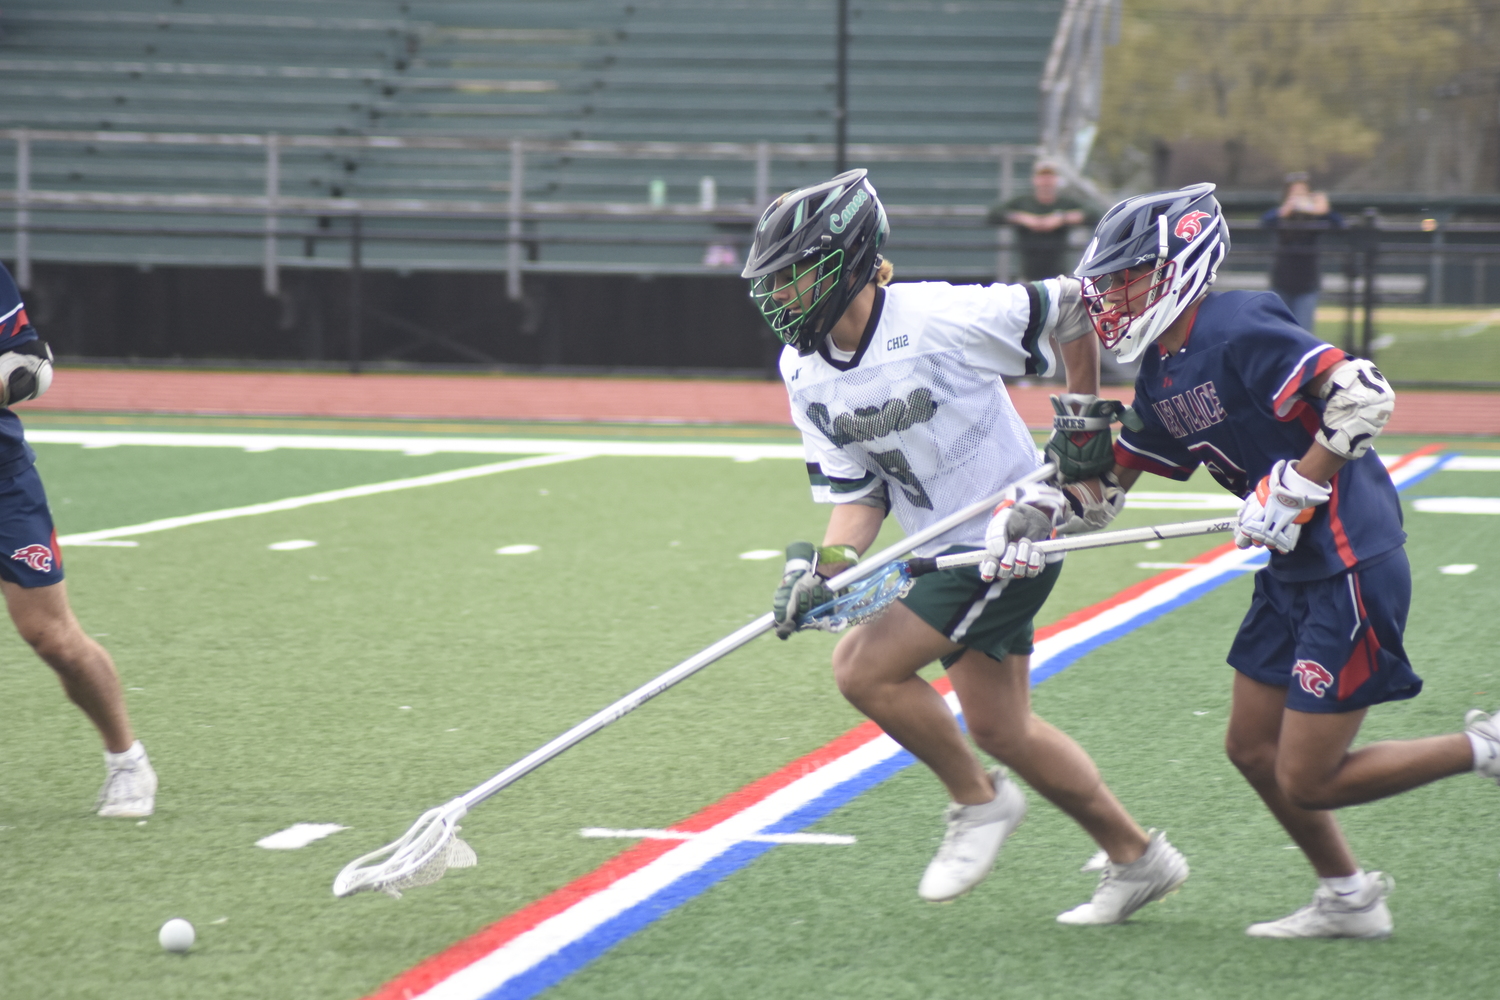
point(1359, 914)
point(973, 841)
point(1123, 889)
point(129, 790)
point(1487, 746)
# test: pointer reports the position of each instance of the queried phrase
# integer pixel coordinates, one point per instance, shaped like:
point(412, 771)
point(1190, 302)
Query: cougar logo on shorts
point(1313, 676)
point(38, 557)
point(1188, 226)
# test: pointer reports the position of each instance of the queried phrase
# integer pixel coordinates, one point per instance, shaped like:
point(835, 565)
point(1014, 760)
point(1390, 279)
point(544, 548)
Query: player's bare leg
point(45, 620)
point(876, 666)
point(996, 697)
point(1316, 769)
point(1252, 742)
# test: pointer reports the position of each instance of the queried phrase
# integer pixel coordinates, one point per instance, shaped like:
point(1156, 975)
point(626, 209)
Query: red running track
point(582, 400)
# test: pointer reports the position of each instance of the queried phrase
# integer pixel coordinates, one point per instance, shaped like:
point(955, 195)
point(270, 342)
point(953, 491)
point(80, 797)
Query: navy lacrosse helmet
point(1179, 236)
point(815, 249)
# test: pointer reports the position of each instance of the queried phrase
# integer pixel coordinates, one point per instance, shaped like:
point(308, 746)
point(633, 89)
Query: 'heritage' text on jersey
point(1195, 410)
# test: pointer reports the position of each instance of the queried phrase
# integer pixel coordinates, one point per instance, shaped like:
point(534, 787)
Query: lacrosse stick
point(432, 845)
point(880, 590)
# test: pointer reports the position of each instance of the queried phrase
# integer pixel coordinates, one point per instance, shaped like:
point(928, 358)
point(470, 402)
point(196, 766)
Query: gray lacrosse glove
point(1081, 446)
point(1028, 513)
point(801, 590)
point(1091, 505)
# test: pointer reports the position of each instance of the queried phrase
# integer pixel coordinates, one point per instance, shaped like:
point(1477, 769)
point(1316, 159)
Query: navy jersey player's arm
point(25, 359)
point(15, 327)
point(1276, 359)
point(1285, 366)
point(1152, 449)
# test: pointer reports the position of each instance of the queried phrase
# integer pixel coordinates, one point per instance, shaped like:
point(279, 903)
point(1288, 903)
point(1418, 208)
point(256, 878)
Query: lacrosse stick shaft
point(724, 647)
point(1127, 536)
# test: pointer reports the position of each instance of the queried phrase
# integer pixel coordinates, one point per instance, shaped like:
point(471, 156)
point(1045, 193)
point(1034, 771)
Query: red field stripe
point(469, 950)
point(439, 967)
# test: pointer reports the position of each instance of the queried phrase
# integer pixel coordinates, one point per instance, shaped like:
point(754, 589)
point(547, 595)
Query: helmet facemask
point(805, 292)
point(1112, 312)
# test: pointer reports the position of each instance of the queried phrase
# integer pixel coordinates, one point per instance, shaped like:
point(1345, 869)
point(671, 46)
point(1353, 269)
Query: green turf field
point(1427, 344)
point(402, 661)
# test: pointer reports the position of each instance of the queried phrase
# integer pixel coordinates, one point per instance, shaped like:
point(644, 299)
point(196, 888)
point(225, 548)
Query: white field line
point(420, 445)
point(298, 836)
point(329, 496)
point(526, 950)
point(596, 832)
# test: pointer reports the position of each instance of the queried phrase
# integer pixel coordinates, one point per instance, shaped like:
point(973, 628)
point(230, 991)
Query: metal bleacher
point(270, 132)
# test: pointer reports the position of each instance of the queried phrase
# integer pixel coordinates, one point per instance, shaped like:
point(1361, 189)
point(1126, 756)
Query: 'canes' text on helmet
point(1152, 256)
point(814, 250)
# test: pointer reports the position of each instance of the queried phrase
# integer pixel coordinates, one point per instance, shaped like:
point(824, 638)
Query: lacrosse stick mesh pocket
point(862, 601)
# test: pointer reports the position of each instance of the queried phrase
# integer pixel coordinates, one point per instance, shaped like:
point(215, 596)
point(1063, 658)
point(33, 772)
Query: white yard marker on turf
point(290, 546)
point(422, 445)
point(758, 554)
point(759, 838)
point(1457, 505)
point(296, 503)
point(1458, 569)
point(516, 550)
point(298, 835)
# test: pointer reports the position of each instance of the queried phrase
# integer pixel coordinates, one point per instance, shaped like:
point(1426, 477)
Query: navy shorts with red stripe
point(29, 555)
point(1334, 644)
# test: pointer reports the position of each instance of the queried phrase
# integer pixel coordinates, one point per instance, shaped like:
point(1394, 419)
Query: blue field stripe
point(575, 956)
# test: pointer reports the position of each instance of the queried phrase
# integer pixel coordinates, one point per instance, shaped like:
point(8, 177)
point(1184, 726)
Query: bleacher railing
point(515, 217)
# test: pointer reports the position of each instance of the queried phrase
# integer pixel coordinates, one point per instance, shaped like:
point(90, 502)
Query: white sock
point(1346, 885)
point(1483, 748)
point(135, 753)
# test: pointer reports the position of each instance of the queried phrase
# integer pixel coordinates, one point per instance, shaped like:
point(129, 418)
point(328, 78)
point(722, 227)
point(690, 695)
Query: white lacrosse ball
point(177, 935)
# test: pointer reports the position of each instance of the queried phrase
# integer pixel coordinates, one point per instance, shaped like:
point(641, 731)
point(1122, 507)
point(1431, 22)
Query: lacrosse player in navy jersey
point(31, 573)
point(898, 394)
point(1228, 380)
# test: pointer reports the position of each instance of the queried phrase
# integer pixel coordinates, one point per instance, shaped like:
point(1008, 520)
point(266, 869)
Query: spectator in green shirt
point(1041, 220)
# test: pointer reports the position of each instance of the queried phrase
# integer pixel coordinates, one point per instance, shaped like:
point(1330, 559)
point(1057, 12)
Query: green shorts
point(994, 618)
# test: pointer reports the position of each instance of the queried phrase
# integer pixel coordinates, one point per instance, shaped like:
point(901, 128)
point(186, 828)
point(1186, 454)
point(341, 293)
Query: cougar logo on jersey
point(1189, 225)
point(1313, 676)
point(37, 557)
point(871, 422)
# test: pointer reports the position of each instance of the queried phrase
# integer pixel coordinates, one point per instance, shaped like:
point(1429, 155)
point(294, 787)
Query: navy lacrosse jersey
point(15, 329)
point(1230, 400)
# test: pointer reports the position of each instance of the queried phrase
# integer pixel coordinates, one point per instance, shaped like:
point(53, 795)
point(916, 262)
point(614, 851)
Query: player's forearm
point(1320, 465)
point(851, 524)
point(1081, 359)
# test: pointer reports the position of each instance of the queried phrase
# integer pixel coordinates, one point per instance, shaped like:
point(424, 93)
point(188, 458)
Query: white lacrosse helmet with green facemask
point(815, 249)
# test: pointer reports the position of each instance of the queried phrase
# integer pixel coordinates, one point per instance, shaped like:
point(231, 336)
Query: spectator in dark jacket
point(1301, 218)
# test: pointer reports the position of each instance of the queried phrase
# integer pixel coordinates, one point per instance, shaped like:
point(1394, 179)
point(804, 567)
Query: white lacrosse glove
point(25, 373)
point(1027, 513)
point(1092, 504)
point(1274, 514)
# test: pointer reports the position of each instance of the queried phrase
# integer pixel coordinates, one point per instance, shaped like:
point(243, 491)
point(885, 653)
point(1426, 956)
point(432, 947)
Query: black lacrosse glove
point(1081, 446)
point(801, 590)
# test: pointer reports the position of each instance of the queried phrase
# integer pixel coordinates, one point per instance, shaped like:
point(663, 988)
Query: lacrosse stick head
point(860, 601)
point(421, 857)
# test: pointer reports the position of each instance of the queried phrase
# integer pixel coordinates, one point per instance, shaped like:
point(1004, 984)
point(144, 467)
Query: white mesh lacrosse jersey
point(921, 406)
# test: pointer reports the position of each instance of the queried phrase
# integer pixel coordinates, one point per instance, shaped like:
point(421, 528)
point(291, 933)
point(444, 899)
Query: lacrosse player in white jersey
point(898, 393)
